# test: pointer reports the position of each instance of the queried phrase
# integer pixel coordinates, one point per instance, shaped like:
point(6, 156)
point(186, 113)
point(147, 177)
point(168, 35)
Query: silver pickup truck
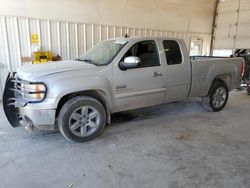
point(79, 96)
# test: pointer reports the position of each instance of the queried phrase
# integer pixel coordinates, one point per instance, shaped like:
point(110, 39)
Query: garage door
point(233, 25)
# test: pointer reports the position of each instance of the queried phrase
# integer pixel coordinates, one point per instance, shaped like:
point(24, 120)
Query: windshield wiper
point(87, 60)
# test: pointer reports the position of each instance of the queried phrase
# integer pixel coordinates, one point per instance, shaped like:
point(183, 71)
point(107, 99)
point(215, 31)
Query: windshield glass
point(103, 52)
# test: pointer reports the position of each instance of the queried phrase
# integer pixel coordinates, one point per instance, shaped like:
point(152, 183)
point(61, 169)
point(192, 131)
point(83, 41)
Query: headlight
point(33, 92)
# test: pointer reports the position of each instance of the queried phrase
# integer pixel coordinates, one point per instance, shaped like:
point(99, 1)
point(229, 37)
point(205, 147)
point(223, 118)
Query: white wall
point(173, 15)
point(55, 21)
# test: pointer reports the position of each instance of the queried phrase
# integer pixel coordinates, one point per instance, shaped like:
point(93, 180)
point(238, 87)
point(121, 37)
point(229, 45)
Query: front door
point(143, 85)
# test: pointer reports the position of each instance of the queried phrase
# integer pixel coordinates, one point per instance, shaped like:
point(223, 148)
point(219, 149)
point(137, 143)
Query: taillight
point(243, 70)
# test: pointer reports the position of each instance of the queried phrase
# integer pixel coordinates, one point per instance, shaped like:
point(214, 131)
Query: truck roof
point(129, 39)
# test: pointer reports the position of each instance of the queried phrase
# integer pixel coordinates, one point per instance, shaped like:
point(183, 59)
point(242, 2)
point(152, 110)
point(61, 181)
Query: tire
point(217, 97)
point(82, 119)
point(248, 90)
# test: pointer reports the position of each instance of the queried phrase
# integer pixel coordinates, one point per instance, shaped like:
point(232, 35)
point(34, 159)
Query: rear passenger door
point(178, 70)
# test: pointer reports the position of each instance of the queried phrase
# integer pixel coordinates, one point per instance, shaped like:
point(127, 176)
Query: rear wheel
point(217, 97)
point(81, 119)
point(248, 90)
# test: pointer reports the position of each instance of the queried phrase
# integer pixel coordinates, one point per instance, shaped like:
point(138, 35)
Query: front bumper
point(21, 113)
point(40, 119)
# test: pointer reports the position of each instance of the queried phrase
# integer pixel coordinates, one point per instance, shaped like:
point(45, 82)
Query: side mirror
point(130, 62)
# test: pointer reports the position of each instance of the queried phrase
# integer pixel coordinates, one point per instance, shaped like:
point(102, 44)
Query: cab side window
point(172, 52)
point(146, 51)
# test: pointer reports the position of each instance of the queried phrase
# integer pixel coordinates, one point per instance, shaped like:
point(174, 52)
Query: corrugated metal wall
point(69, 40)
point(232, 25)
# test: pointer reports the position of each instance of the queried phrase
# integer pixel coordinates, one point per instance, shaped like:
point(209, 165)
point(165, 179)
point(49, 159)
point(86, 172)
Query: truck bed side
point(206, 69)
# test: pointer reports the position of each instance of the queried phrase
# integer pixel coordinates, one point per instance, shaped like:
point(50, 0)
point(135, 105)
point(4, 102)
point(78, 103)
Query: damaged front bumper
point(21, 112)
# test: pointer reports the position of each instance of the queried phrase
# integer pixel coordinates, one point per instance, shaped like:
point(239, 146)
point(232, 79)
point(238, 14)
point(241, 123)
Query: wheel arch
point(96, 94)
point(225, 78)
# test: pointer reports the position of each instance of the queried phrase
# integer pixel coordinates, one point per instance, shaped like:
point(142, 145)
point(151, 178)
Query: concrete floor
point(175, 145)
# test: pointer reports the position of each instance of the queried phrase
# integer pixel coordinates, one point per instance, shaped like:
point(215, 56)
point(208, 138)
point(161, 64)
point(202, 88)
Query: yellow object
point(44, 60)
point(41, 57)
point(34, 38)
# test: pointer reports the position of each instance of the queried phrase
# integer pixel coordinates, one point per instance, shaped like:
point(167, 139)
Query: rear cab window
point(172, 52)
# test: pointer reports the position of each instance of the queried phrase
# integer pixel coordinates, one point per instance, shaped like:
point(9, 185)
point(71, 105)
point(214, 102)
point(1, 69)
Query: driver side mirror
point(129, 62)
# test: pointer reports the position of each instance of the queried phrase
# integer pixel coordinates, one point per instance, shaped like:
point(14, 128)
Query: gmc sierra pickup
point(116, 75)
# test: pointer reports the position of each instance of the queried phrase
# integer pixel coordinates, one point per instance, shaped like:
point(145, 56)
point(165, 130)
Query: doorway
point(196, 47)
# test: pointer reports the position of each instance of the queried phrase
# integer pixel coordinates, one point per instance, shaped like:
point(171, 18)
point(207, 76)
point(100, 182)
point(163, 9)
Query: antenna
point(126, 36)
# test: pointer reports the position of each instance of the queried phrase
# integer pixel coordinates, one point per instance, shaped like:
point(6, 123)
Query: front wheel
point(217, 97)
point(81, 119)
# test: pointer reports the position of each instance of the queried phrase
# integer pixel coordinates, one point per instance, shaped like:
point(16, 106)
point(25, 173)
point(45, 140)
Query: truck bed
point(205, 69)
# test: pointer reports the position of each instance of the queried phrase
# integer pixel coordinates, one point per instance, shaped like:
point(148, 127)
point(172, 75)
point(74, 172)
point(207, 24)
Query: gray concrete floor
point(174, 145)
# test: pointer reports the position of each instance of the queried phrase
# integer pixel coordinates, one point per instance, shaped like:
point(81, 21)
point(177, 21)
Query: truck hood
point(31, 72)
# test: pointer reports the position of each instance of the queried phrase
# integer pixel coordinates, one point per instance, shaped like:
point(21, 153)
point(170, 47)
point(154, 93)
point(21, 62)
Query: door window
point(172, 52)
point(146, 51)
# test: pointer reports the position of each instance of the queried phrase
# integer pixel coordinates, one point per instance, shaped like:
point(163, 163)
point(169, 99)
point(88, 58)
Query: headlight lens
point(34, 92)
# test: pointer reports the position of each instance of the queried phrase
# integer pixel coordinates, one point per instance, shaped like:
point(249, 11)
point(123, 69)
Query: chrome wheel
point(219, 97)
point(84, 121)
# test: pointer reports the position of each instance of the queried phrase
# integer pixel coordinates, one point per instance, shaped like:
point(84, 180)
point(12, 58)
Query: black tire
point(69, 108)
point(248, 90)
point(208, 100)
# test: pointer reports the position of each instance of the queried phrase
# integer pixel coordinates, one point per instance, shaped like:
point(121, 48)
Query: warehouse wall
point(174, 15)
point(70, 27)
point(232, 25)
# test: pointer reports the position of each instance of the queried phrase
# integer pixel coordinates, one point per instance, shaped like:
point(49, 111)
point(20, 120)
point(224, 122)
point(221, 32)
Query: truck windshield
point(103, 52)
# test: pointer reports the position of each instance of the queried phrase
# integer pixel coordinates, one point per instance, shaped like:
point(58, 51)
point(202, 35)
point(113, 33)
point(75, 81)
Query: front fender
point(63, 87)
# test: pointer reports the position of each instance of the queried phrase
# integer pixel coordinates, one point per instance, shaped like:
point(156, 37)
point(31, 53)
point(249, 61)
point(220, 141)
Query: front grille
point(17, 88)
point(18, 91)
point(22, 94)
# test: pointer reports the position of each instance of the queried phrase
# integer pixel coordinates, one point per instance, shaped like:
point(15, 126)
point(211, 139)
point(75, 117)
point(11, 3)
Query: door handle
point(157, 74)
